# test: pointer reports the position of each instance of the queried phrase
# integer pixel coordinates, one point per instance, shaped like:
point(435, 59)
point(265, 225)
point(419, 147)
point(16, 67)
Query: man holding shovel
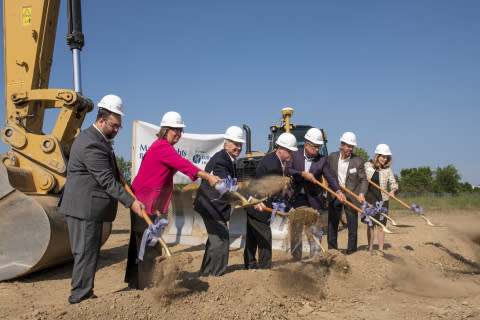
point(307, 167)
point(216, 213)
point(91, 194)
point(350, 171)
point(259, 233)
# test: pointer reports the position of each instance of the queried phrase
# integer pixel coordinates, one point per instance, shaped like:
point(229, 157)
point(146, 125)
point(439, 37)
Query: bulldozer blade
point(33, 233)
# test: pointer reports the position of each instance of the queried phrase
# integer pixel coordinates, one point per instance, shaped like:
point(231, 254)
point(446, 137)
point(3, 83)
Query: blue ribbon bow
point(379, 208)
point(416, 209)
point(227, 184)
point(366, 212)
point(278, 206)
point(151, 235)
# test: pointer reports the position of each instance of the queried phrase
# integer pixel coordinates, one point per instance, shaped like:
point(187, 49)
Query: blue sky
point(405, 73)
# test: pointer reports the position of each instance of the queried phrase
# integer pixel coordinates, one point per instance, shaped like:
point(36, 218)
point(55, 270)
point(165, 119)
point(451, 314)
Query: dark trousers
point(259, 235)
point(85, 240)
point(334, 211)
point(138, 275)
point(215, 258)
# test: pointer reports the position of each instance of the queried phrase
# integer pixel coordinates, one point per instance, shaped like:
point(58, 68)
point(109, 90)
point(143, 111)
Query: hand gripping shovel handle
point(395, 198)
point(149, 222)
point(385, 229)
point(385, 215)
point(280, 213)
point(399, 201)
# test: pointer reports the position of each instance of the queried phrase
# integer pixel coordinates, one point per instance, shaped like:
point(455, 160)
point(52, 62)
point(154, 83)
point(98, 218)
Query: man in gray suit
point(350, 172)
point(91, 194)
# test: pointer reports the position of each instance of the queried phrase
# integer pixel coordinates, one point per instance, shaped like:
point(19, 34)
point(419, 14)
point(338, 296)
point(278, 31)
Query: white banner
point(197, 148)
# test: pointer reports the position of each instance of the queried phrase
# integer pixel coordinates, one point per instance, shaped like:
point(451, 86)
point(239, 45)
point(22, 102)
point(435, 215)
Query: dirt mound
point(423, 273)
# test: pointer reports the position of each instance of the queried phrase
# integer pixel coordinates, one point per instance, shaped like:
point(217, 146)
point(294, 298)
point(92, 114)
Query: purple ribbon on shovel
point(416, 209)
point(151, 235)
point(228, 184)
point(366, 212)
point(278, 206)
point(379, 208)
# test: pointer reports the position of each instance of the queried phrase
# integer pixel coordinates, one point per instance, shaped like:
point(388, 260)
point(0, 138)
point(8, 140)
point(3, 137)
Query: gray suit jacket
point(356, 179)
point(93, 189)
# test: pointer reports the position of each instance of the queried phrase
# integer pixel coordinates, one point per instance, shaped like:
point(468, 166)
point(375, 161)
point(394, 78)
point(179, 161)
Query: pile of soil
point(423, 273)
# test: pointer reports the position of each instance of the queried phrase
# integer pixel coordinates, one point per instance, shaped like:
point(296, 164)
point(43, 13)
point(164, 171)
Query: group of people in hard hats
point(95, 185)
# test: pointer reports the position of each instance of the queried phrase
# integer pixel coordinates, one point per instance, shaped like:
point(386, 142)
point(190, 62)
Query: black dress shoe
point(72, 300)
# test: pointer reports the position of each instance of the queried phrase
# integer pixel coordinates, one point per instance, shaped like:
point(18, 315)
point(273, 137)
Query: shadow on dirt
point(456, 256)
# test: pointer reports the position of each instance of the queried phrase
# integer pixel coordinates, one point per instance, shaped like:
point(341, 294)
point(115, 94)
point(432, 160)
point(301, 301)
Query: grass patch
point(439, 203)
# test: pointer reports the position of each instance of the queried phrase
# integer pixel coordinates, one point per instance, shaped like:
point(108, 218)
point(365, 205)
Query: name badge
point(353, 170)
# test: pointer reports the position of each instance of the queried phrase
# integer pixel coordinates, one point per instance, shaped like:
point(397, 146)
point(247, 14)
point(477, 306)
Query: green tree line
point(426, 180)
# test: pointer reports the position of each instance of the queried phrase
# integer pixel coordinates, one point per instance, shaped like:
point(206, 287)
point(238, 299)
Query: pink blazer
point(153, 184)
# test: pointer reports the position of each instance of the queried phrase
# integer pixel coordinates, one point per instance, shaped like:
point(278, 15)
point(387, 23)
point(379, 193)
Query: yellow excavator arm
point(33, 232)
point(37, 162)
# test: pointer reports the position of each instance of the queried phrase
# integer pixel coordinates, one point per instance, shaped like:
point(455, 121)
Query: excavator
point(33, 232)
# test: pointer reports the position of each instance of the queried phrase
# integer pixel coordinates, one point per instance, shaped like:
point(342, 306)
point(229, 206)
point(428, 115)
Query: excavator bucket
point(33, 232)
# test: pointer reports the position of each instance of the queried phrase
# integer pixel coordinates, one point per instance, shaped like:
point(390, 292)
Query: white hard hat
point(112, 103)
point(349, 138)
point(288, 141)
point(234, 133)
point(383, 149)
point(314, 135)
point(172, 119)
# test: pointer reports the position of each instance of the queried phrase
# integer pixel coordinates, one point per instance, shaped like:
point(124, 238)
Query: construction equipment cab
point(247, 164)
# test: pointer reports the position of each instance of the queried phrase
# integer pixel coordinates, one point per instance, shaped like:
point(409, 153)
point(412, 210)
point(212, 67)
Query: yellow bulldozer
point(33, 233)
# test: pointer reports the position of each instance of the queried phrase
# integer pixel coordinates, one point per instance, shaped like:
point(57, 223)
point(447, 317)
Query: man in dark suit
point(259, 233)
point(350, 172)
point(91, 194)
point(216, 213)
point(308, 165)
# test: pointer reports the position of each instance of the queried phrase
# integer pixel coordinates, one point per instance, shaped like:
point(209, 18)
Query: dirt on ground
point(423, 273)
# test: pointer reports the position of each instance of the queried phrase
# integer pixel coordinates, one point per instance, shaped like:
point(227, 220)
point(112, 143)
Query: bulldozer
point(33, 232)
point(247, 164)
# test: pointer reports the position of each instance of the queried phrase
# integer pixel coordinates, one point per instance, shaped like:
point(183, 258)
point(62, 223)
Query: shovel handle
point(318, 242)
point(393, 197)
point(358, 198)
point(280, 213)
point(385, 229)
point(149, 222)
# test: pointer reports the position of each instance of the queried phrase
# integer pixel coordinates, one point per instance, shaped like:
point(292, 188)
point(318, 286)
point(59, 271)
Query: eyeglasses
point(113, 126)
point(314, 146)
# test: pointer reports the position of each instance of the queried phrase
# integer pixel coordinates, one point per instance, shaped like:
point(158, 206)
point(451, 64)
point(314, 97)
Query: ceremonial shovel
point(385, 215)
point(149, 222)
point(413, 208)
point(385, 229)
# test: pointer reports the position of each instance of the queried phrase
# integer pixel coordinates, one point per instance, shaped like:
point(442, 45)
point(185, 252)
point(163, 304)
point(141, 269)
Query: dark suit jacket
point(222, 166)
point(270, 165)
point(93, 189)
point(318, 168)
point(356, 179)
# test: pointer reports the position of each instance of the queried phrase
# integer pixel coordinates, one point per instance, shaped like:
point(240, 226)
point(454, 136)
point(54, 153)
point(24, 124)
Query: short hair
point(103, 113)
